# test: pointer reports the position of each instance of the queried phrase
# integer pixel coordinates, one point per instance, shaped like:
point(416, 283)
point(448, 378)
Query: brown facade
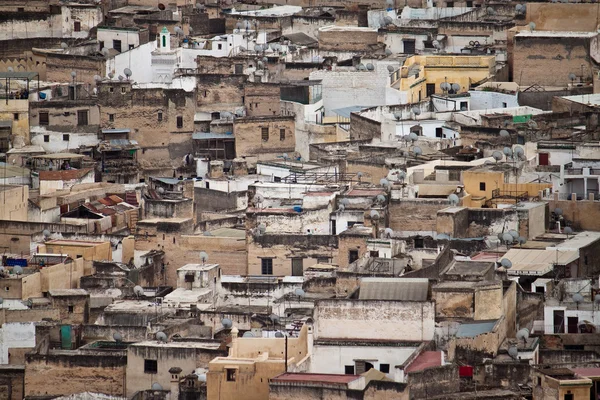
point(264, 138)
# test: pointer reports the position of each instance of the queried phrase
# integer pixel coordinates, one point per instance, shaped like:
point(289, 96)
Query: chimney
point(216, 169)
point(175, 372)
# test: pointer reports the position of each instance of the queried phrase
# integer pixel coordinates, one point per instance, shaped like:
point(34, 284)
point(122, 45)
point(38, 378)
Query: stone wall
point(249, 141)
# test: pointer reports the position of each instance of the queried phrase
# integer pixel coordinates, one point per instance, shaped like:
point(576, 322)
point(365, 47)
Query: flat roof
point(323, 378)
point(178, 344)
point(18, 75)
point(67, 292)
point(400, 289)
point(197, 267)
point(59, 156)
point(475, 329)
point(578, 241)
point(570, 34)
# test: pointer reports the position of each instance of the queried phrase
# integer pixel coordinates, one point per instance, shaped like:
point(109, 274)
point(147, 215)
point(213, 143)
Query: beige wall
point(249, 142)
point(62, 276)
point(8, 110)
point(13, 202)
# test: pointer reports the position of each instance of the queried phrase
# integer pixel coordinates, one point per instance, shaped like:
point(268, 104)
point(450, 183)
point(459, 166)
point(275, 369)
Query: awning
point(537, 262)
point(211, 135)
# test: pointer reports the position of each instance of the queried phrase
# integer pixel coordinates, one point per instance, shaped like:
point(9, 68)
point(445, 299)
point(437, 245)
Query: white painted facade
point(138, 60)
point(430, 129)
point(129, 38)
point(485, 100)
point(591, 314)
point(230, 44)
point(56, 140)
point(15, 335)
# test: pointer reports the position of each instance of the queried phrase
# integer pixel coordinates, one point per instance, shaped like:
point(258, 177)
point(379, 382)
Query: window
point(419, 243)
point(504, 105)
point(282, 134)
point(160, 116)
point(101, 45)
point(44, 118)
point(231, 373)
point(16, 116)
point(21, 9)
point(429, 89)
point(449, 4)
point(323, 260)
point(65, 137)
point(117, 45)
point(266, 266)
point(123, 89)
point(82, 117)
point(469, 4)
point(464, 105)
point(385, 368)
point(264, 133)
point(70, 309)
point(164, 41)
point(111, 117)
point(297, 267)
point(179, 121)
point(131, 47)
point(352, 256)
point(219, 46)
point(46, 138)
point(569, 396)
point(482, 186)
point(349, 369)
point(77, 26)
point(215, 115)
point(439, 132)
point(539, 381)
point(150, 366)
point(7, 288)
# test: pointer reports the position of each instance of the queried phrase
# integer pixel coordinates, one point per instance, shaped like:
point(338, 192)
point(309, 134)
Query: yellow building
point(421, 76)
point(484, 184)
point(89, 251)
point(245, 373)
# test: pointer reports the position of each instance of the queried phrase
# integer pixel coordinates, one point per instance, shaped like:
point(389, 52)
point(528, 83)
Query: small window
point(123, 89)
point(71, 308)
point(219, 46)
point(46, 138)
point(111, 89)
point(349, 369)
point(264, 133)
point(385, 368)
point(6, 288)
point(111, 117)
point(179, 121)
point(82, 117)
point(20, 9)
point(569, 396)
point(323, 260)
point(449, 4)
point(352, 256)
point(439, 132)
point(282, 134)
point(464, 105)
point(117, 45)
point(266, 266)
point(77, 26)
point(101, 44)
point(131, 46)
point(539, 381)
point(150, 366)
point(469, 4)
point(16, 116)
point(504, 105)
point(65, 137)
point(44, 118)
point(231, 374)
point(160, 116)
point(482, 186)
point(419, 243)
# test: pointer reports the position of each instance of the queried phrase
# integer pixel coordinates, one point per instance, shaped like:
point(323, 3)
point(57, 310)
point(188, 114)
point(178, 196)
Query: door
point(572, 325)
point(430, 88)
point(409, 46)
point(297, 267)
point(544, 159)
point(65, 337)
point(559, 321)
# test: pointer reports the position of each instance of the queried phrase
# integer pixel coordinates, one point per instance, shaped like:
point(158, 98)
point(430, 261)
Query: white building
point(119, 39)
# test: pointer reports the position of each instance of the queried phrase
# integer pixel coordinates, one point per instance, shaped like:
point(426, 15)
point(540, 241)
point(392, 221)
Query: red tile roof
point(64, 175)
point(426, 359)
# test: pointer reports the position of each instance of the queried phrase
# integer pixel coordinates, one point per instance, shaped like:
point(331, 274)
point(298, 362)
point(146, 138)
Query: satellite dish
point(239, 25)
point(359, 174)
point(401, 175)
point(161, 336)
point(11, 69)
point(497, 155)
point(417, 151)
point(506, 263)
point(370, 67)
point(416, 110)
point(374, 214)
point(578, 298)
point(258, 47)
point(203, 257)
point(568, 230)
point(387, 20)
point(532, 26)
point(64, 46)
point(507, 238)
point(138, 290)
point(388, 53)
point(384, 182)
point(445, 86)
point(157, 386)
point(442, 236)
point(504, 133)
point(518, 151)
point(73, 74)
point(532, 124)
point(17, 270)
point(572, 76)
point(345, 202)
point(161, 190)
point(558, 211)
point(97, 78)
point(453, 199)
point(202, 378)
point(491, 11)
point(455, 87)
point(413, 136)
point(398, 115)
point(523, 334)
point(105, 51)
point(361, 67)
point(507, 152)
point(46, 233)
point(513, 351)
point(127, 72)
point(260, 64)
point(521, 240)
point(381, 198)
point(514, 233)
point(299, 292)
point(248, 334)
point(121, 78)
point(436, 44)
point(227, 323)
point(388, 232)
point(118, 337)
point(111, 75)
point(279, 335)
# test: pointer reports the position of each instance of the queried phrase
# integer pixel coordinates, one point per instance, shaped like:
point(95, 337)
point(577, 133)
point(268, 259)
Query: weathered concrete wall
point(374, 320)
point(250, 143)
point(434, 382)
point(416, 215)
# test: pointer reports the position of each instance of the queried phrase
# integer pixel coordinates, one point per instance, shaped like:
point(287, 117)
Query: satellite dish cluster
point(511, 237)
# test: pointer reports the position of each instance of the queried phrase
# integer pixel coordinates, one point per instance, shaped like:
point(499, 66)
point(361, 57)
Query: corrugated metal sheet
point(537, 262)
point(401, 289)
point(472, 330)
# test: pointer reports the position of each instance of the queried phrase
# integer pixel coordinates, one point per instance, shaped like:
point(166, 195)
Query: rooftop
point(538, 262)
point(400, 289)
point(318, 378)
point(178, 345)
point(470, 330)
point(67, 292)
